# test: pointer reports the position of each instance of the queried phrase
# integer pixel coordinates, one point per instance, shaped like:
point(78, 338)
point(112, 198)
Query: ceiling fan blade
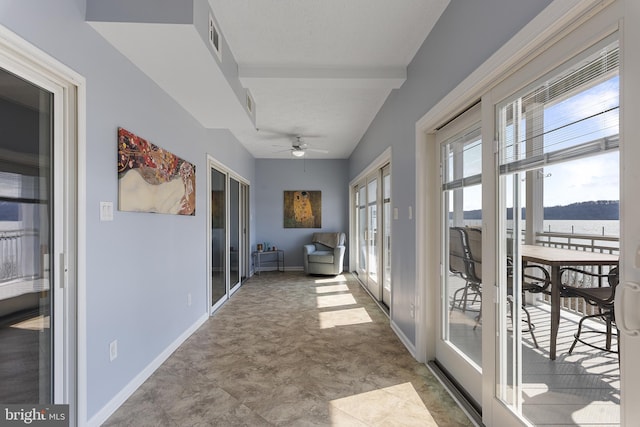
point(318, 150)
point(275, 133)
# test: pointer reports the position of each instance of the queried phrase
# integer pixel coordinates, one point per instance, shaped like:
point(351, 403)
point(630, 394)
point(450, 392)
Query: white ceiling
point(320, 68)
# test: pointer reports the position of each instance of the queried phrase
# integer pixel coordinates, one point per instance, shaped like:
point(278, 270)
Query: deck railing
point(580, 242)
point(19, 254)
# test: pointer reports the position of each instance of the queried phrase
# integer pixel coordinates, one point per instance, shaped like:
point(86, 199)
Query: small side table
point(274, 257)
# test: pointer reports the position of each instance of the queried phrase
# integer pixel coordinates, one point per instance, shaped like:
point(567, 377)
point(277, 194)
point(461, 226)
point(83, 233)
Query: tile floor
point(292, 350)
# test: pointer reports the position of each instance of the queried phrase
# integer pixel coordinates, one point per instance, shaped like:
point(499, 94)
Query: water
point(598, 228)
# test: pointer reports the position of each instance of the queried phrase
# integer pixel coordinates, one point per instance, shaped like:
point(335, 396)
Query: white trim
point(404, 339)
point(110, 408)
point(26, 56)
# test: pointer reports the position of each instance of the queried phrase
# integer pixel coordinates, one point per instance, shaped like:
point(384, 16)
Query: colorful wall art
point(151, 179)
point(302, 209)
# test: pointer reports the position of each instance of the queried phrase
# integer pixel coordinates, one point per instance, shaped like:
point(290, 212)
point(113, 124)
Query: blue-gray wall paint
point(140, 267)
point(467, 33)
point(273, 177)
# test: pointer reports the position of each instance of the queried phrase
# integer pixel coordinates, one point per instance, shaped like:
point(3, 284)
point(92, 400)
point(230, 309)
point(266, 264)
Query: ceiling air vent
point(249, 102)
point(214, 37)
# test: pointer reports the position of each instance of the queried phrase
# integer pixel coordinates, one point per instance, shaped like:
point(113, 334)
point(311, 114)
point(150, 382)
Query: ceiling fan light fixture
point(297, 152)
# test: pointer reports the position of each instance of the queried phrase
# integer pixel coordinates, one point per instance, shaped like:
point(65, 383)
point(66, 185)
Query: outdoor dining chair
point(589, 286)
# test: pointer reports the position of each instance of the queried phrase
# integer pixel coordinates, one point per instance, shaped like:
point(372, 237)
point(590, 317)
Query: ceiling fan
point(299, 147)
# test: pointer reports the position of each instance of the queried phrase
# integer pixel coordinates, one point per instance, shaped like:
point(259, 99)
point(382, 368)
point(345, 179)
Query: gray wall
point(273, 177)
point(465, 36)
point(140, 267)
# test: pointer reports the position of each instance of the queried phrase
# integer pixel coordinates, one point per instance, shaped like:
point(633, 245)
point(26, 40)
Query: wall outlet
point(189, 299)
point(113, 350)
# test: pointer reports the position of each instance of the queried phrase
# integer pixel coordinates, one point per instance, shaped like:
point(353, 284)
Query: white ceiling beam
point(322, 77)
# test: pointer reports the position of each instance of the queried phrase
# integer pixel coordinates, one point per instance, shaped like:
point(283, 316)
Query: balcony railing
point(19, 255)
point(580, 242)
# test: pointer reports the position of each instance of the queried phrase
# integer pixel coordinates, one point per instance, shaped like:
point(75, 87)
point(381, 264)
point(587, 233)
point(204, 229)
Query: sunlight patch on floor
point(398, 405)
point(325, 301)
point(331, 288)
point(345, 317)
point(38, 323)
point(339, 278)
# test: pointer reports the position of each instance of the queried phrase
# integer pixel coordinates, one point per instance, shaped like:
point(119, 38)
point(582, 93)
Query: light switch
point(106, 211)
point(395, 213)
point(410, 212)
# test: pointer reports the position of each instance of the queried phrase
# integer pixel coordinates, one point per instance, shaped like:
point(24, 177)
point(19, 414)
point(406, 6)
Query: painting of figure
point(151, 179)
point(302, 209)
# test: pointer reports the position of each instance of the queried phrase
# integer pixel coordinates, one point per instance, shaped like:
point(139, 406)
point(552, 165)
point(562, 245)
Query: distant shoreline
point(601, 210)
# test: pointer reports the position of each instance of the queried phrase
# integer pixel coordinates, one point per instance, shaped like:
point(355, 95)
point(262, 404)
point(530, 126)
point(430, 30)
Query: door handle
point(618, 303)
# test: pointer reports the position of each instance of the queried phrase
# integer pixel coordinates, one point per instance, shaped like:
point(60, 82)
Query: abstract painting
point(302, 209)
point(151, 179)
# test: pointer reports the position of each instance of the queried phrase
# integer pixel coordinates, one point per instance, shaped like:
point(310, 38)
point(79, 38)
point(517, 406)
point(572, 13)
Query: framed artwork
point(303, 209)
point(151, 179)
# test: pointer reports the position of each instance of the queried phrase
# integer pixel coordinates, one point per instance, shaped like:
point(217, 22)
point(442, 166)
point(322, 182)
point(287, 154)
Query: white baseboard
point(406, 341)
point(113, 405)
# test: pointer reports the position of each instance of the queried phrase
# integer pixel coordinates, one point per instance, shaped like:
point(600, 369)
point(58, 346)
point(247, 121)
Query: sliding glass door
point(372, 214)
point(229, 257)
point(459, 344)
point(36, 282)
point(559, 193)
point(219, 291)
point(559, 222)
point(385, 262)
point(234, 233)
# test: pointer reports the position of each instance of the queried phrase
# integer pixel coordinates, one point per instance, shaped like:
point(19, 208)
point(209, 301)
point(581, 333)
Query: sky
point(585, 179)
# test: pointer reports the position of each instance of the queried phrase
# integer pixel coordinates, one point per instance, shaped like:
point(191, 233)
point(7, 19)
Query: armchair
point(325, 254)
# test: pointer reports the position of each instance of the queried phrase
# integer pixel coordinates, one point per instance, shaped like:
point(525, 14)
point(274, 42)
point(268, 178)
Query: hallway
point(292, 350)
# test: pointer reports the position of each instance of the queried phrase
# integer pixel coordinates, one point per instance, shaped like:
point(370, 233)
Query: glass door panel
point(559, 167)
point(459, 347)
point(26, 242)
point(373, 227)
point(234, 232)
point(386, 236)
point(244, 232)
point(372, 238)
point(361, 207)
point(218, 237)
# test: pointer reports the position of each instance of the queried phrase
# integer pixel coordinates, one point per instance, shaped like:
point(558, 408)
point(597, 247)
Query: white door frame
point(560, 18)
point(25, 60)
point(245, 252)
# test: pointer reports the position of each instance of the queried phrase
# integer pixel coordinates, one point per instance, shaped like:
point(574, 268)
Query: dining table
point(556, 258)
